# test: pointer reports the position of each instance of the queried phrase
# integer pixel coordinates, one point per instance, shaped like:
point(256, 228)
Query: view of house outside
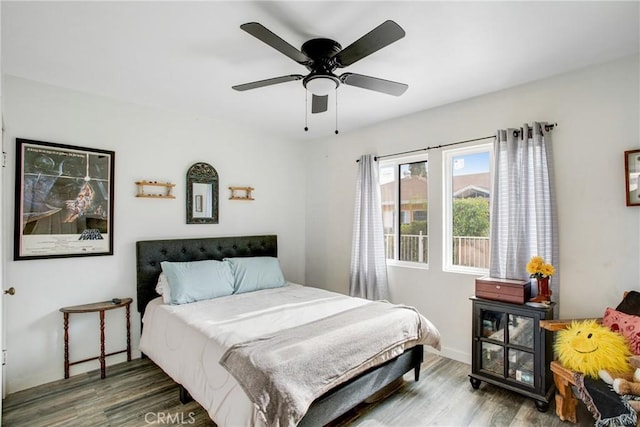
point(407, 215)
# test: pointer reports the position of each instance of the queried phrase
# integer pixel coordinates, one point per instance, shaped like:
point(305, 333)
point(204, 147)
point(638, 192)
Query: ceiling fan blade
point(319, 103)
point(260, 32)
point(267, 82)
point(381, 36)
point(373, 83)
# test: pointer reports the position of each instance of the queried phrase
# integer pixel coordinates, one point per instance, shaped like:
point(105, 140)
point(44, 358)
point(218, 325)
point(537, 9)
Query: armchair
point(564, 378)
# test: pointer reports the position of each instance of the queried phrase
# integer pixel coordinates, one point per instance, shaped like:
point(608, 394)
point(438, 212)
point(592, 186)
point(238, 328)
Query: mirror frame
point(202, 173)
point(631, 168)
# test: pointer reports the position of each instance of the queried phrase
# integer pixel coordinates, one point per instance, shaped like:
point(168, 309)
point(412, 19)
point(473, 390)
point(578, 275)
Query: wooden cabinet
point(510, 350)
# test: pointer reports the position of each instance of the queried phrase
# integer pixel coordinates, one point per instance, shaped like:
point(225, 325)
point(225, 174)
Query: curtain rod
point(546, 127)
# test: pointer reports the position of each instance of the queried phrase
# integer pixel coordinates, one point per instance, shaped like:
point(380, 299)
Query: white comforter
point(187, 341)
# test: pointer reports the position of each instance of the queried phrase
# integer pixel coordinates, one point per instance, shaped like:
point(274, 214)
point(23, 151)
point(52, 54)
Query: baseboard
point(451, 353)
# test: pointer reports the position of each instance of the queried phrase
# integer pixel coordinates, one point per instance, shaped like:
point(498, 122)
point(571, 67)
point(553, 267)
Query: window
point(466, 208)
point(403, 186)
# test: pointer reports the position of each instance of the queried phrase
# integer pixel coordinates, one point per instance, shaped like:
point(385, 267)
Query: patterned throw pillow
point(625, 324)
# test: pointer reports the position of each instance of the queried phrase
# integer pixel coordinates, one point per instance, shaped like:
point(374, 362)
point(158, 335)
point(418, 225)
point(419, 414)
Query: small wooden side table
point(100, 307)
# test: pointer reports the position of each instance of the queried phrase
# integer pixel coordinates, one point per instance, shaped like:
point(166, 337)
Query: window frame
point(396, 162)
point(447, 205)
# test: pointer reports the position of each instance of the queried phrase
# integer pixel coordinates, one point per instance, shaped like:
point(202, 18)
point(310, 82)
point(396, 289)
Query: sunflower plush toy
point(588, 347)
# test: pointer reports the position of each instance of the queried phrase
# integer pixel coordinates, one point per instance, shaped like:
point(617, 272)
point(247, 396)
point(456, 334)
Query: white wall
point(597, 111)
point(149, 144)
point(598, 115)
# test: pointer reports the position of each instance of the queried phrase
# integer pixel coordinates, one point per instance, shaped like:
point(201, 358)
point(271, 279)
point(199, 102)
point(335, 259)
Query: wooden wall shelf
point(164, 194)
point(241, 193)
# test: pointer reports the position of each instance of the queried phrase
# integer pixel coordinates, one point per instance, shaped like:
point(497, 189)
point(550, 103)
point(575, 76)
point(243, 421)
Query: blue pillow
point(255, 273)
point(198, 280)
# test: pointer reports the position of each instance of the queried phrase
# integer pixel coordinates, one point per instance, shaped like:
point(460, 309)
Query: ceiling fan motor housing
point(322, 53)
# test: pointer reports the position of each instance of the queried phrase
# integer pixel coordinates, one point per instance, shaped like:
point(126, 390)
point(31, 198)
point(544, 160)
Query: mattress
point(188, 340)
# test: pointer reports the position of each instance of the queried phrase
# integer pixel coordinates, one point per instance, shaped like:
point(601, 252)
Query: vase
point(544, 292)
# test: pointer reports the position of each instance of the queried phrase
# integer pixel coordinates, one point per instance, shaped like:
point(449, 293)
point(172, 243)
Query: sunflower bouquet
point(538, 268)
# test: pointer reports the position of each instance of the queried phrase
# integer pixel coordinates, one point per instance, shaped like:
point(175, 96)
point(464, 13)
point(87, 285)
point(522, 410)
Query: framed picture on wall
point(632, 172)
point(63, 201)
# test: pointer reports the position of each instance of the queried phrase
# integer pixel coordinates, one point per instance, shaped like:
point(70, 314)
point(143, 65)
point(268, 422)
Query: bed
point(191, 342)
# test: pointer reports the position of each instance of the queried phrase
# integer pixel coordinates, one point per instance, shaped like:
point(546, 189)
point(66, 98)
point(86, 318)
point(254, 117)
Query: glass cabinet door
point(493, 358)
point(521, 366)
point(521, 330)
point(492, 324)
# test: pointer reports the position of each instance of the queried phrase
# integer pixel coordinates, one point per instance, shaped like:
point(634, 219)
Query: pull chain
point(336, 112)
point(306, 107)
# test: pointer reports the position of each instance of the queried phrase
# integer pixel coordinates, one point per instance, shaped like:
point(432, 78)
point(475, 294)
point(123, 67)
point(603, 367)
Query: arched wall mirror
point(202, 194)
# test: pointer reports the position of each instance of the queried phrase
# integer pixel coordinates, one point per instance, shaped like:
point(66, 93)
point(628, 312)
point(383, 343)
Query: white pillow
point(256, 273)
point(198, 280)
point(162, 288)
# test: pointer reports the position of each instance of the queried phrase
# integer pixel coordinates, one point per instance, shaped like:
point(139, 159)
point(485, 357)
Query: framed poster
point(64, 201)
point(632, 174)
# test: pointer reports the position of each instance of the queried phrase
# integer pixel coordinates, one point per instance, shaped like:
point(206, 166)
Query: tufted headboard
point(150, 253)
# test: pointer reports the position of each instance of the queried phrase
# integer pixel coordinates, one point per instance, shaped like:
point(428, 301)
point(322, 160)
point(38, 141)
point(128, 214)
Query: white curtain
point(368, 273)
point(524, 220)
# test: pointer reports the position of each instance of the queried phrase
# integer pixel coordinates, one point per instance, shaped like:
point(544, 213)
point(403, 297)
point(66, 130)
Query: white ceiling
point(185, 56)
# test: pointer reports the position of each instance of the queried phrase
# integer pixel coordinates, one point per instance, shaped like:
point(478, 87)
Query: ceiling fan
point(323, 56)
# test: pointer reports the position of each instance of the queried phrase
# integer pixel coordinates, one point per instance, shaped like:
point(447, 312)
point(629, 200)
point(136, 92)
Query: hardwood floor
point(138, 393)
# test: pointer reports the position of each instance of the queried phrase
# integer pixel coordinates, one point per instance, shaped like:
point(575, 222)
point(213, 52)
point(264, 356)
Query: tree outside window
point(467, 198)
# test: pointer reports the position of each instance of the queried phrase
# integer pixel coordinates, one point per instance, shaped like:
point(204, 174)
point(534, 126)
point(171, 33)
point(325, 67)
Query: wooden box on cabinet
point(507, 290)
point(510, 350)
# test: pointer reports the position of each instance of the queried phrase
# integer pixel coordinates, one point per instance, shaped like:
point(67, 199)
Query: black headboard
point(150, 253)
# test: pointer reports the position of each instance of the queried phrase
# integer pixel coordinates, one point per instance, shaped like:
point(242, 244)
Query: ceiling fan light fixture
point(321, 85)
